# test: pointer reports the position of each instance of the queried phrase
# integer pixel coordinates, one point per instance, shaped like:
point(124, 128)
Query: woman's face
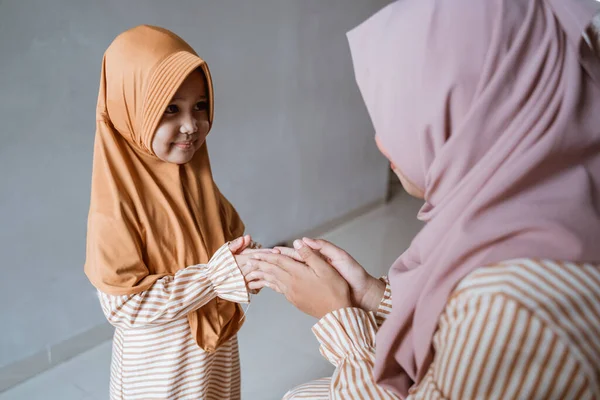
point(410, 187)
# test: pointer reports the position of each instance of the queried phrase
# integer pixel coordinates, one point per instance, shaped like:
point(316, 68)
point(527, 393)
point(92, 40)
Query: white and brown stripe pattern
point(347, 338)
point(522, 329)
point(154, 355)
point(385, 306)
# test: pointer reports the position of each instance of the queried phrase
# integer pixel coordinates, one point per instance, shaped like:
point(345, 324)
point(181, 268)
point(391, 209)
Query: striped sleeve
point(347, 339)
point(491, 347)
point(385, 306)
point(173, 297)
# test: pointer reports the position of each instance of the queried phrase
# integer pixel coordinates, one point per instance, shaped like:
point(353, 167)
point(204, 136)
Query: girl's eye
point(201, 106)
point(171, 109)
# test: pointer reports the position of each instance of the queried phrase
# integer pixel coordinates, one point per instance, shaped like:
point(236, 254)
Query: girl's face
point(410, 187)
point(184, 125)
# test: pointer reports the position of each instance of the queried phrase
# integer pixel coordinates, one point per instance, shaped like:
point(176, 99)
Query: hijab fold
point(148, 218)
point(491, 107)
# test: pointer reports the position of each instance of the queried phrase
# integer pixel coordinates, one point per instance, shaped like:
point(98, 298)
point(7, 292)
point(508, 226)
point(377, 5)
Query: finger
point(305, 252)
point(237, 244)
point(293, 253)
point(240, 244)
point(275, 272)
point(311, 257)
point(272, 274)
point(246, 269)
point(247, 241)
point(315, 244)
point(259, 280)
point(255, 275)
point(241, 259)
point(326, 248)
point(258, 285)
point(254, 251)
point(284, 262)
point(290, 252)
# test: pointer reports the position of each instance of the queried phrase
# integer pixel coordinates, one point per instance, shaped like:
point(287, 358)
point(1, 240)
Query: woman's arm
point(346, 334)
point(347, 340)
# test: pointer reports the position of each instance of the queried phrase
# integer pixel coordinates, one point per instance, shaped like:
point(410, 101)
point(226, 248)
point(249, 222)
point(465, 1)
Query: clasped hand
point(315, 276)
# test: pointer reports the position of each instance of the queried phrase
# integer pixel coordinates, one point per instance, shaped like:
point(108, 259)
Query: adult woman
point(489, 111)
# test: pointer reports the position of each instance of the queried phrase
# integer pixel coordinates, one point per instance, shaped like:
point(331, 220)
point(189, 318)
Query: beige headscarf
point(148, 218)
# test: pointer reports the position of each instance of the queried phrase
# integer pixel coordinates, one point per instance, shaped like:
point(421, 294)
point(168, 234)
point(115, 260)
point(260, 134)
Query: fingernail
point(297, 244)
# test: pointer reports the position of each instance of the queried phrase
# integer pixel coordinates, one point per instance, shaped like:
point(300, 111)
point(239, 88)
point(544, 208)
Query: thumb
point(326, 248)
point(308, 255)
point(286, 251)
point(238, 244)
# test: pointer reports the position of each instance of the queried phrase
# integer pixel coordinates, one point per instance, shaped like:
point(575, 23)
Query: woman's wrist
point(375, 289)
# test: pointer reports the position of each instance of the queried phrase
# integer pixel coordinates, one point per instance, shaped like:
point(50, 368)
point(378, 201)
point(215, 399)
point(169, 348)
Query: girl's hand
point(242, 249)
point(240, 244)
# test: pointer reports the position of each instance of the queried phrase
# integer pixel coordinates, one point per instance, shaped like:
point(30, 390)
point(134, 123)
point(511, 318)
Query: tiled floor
point(375, 239)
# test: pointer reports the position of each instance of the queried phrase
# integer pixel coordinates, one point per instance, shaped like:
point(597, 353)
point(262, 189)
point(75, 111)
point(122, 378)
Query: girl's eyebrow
point(180, 98)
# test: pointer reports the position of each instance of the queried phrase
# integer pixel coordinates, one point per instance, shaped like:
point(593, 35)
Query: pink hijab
point(493, 109)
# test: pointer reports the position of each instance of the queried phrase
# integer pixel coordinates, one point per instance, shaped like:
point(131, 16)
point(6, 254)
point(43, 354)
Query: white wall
point(292, 144)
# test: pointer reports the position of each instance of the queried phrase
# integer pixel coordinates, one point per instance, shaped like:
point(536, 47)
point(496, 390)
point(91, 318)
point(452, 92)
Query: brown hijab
point(149, 219)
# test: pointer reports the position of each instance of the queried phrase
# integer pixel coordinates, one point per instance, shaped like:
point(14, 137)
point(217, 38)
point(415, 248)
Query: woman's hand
point(366, 291)
point(314, 287)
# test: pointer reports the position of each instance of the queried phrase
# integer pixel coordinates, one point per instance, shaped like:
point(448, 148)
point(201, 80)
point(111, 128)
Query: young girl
point(158, 226)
